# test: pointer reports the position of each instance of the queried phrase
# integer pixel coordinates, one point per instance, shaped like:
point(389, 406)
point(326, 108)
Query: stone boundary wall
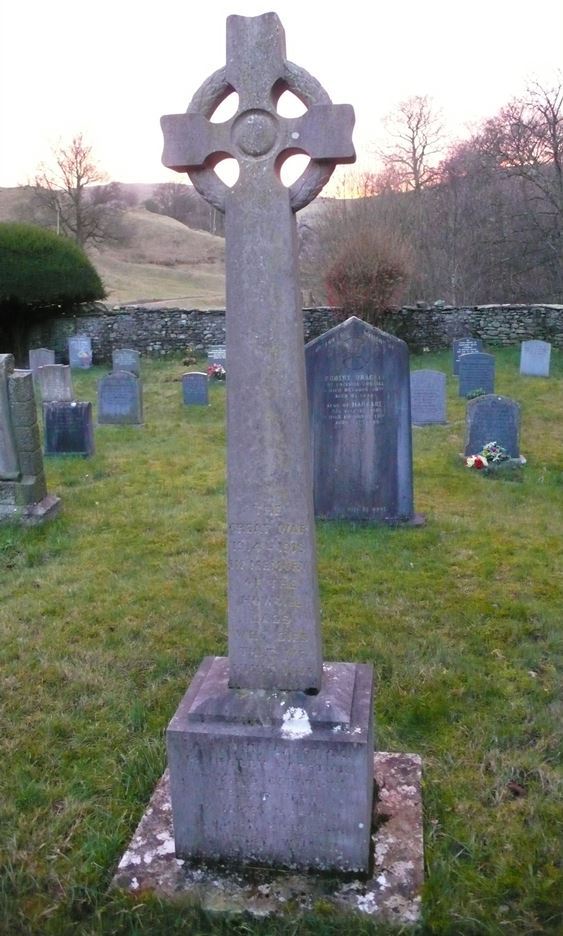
point(159, 331)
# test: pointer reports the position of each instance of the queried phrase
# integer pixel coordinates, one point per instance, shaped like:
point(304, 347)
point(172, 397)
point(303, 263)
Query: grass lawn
point(106, 613)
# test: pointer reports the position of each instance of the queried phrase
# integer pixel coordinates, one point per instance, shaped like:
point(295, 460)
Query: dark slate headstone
point(126, 359)
point(80, 351)
point(534, 358)
point(428, 397)
point(476, 372)
point(359, 411)
point(492, 419)
point(39, 357)
point(217, 354)
point(195, 388)
point(462, 346)
point(68, 428)
point(120, 399)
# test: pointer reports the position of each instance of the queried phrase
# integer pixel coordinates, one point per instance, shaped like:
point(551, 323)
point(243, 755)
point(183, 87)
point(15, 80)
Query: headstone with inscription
point(126, 359)
point(195, 389)
point(492, 418)
point(476, 372)
point(80, 351)
point(55, 383)
point(38, 357)
point(359, 412)
point(462, 346)
point(289, 737)
point(68, 428)
point(534, 358)
point(23, 490)
point(217, 354)
point(120, 399)
point(428, 397)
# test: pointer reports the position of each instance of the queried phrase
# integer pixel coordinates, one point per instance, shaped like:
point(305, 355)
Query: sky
point(111, 68)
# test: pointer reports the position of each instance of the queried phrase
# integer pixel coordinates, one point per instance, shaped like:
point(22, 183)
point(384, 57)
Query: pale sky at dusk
point(111, 69)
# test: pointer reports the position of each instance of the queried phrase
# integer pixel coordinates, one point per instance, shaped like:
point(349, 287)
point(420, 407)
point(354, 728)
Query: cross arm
point(192, 141)
point(324, 132)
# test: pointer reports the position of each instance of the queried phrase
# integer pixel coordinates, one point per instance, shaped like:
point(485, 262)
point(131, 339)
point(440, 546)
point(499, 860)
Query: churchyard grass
point(106, 613)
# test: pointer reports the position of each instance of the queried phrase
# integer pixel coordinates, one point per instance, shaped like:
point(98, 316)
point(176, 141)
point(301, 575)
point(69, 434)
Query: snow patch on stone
point(296, 724)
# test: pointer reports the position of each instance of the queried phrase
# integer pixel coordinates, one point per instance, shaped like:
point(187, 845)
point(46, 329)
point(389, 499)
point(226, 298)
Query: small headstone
point(492, 419)
point(55, 383)
point(120, 399)
point(126, 359)
point(39, 357)
point(80, 351)
point(68, 429)
point(359, 412)
point(217, 354)
point(462, 346)
point(428, 397)
point(476, 372)
point(195, 389)
point(534, 358)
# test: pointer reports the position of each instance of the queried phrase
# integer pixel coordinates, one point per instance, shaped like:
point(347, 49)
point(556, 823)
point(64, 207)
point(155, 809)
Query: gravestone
point(126, 359)
point(289, 737)
point(39, 357)
point(463, 346)
point(80, 351)
point(195, 389)
point(217, 354)
point(476, 372)
point(55, 383)
point(428, 397)
point(120, 399)
point(534, 358)
point(359, 413)
point(492, 419)
point(23, 489)
point(68, 429)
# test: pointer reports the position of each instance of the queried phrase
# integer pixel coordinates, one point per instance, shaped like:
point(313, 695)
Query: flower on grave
point(476, 461)
point(216, 372)
point(494, 452)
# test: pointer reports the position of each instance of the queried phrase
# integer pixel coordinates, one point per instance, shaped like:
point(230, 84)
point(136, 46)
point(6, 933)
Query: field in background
point(107, 612)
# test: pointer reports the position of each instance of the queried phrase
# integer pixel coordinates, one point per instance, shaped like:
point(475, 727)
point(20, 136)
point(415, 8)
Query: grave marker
point(476, 372)
point(492, 419)
point(39, 357)
point(428, 397)
point(55, 383)
point(120, 399)
point(534, 358)
point(68, 429)
point(80, 351)
point(217, 354)
point(126, 359)
point(463, 346)
point(195, 389)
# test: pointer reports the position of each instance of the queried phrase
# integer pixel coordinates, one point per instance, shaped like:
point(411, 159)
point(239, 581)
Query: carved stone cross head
point(257, 136)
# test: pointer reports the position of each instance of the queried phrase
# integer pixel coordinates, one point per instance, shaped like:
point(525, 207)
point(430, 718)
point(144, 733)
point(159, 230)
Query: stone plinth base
point(31, 514)
point(391, 891)
point(275, 778)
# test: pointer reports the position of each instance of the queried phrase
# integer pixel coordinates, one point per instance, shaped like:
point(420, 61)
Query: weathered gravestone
point(80, 351)
point(39, 357)
point(120, 399)
point(534, 358)
point(476, 372)
point(428, 397)
point(126, 359)
point(463, 346)
point(23, 490)
point(68, 429)
point(55, 383)
point(359, 413)
point(492, 419)
point(289, 738)
point(195, 389)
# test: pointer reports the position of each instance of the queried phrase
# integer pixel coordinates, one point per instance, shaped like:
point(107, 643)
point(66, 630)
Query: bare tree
point(416, 135)
point(61, 190)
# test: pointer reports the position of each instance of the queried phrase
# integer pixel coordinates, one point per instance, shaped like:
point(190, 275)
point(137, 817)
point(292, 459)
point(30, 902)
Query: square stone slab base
point(32, 514)
point(390, 893)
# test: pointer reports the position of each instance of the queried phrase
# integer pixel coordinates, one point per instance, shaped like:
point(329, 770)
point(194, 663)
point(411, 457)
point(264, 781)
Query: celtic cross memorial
point(289, 737)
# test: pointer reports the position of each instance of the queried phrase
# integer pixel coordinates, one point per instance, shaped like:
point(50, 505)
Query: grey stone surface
point(428, 397)
point(535, 358)
point(126, 359)
point(55, 383)
point(68, 428)
point(23, 490)
point(195, 389)
point(391, 893)
point(80, 351)
point(39, 357)
point(359, 410)
point(120, 399)
point(295, 771)
point(466, 345)
point(476, 372)
point(492, 418)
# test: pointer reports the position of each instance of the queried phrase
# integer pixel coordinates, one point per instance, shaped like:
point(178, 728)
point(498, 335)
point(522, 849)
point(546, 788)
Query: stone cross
point(273, 609)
